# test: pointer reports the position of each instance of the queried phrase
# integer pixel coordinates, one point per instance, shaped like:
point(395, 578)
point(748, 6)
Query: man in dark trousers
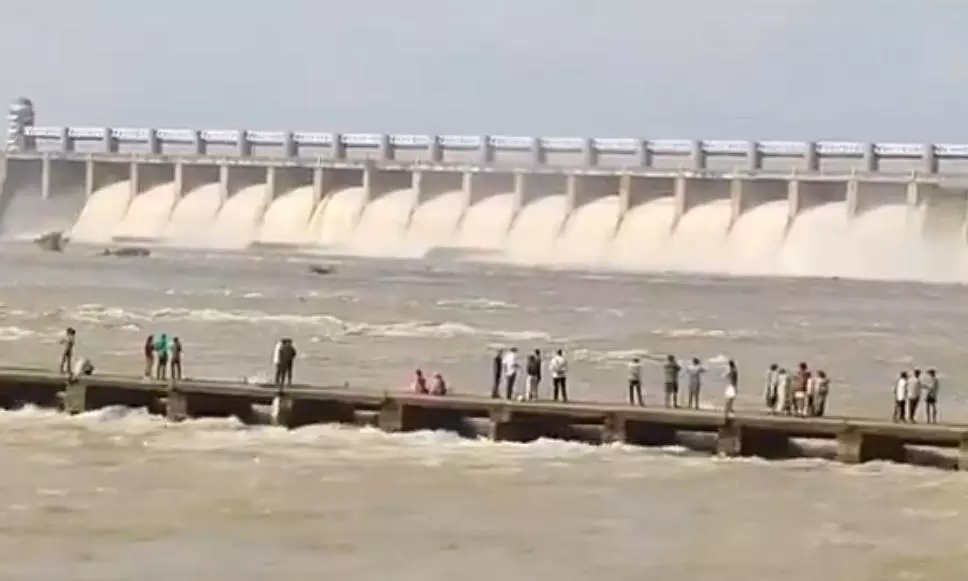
point(497, 370)
point(176, 358)
point(287, 356)
point(533, 368)
point(67, 355)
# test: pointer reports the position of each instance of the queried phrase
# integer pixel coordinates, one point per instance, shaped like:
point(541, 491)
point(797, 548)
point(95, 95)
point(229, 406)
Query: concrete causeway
point(744, 434)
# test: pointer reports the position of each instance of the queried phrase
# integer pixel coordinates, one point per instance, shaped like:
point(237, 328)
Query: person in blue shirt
point(161, 355)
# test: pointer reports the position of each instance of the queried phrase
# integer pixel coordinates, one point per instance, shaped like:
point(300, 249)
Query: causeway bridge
point(743, 434)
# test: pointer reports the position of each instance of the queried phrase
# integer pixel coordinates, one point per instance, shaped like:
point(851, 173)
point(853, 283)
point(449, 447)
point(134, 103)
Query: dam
point(825, 208)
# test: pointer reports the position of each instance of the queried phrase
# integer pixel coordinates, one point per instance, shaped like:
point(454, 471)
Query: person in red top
point(419, 384)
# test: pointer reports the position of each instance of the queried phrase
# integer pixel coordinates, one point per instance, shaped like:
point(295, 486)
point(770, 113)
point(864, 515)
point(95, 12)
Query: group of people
point(803, 393)
point(283, 360)
point(163, 358)
point(507, 368)
point(419, 384)
point(161, 355)
point(673, 370)
point(910, 389)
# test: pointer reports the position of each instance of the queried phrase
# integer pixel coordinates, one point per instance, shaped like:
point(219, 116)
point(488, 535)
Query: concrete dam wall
point(826, 212)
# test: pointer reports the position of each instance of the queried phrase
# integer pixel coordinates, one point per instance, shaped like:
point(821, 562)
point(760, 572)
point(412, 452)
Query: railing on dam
point(497, 149)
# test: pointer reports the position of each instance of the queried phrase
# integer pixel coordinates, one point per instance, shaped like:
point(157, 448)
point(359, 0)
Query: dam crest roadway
point(732, 207)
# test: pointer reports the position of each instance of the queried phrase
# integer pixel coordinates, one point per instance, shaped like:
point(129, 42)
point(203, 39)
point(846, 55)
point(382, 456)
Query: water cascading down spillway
point(767, 208)
point(32, 205)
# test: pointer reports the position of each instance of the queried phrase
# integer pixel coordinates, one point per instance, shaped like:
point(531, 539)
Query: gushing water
point(288, 218)
point(755, 241)
point(697, 241)
point(486, 223)
point(149, 213)
point(643, 235)
point(588, 232)
point(237, 222)
point(28, 215)
point(535, 230)
point(193, 215)
point(383, 224)
point(925, 242)
point(336, 220)
point(102, 214)
point(435, 221)
point(817, 241)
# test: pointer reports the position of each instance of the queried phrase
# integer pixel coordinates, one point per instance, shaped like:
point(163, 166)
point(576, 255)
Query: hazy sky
point(767, 69)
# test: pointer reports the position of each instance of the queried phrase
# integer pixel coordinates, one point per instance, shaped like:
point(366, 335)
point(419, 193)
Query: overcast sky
point(765, 69)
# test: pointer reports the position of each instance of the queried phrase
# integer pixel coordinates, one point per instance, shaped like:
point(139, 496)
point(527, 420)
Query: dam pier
point(767, 207)
point(743, 434)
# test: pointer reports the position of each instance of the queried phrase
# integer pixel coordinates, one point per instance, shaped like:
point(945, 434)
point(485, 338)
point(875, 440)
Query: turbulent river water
point(117, 494)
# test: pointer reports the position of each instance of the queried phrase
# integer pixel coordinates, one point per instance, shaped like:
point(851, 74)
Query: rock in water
point(51, 242)
point(321, 269)
point(126, 251)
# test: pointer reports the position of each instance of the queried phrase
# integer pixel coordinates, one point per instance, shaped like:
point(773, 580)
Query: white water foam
point(288, 218)
point(643, 235)
point(435, 221)
point(102, 214)
point(28, 215)
point(237, 222)
point(149, 213)
point(383, 225)
point(486, 223)
point(328, 326)
point(535, 230)
point(480, 303)
point(12, 333)
point(193, 216)
point(697, 241)
point(336, 219)
point(883, 240)
point(755, 241)
point(588, 232)
point(311, 443)
point(816, 242)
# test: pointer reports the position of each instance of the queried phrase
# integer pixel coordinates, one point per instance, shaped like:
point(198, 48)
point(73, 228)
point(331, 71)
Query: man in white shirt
point(635, 382)
point(276, 363)
point(913, 389)
point(511, 366)
point(900, 396)
point(558, 367)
